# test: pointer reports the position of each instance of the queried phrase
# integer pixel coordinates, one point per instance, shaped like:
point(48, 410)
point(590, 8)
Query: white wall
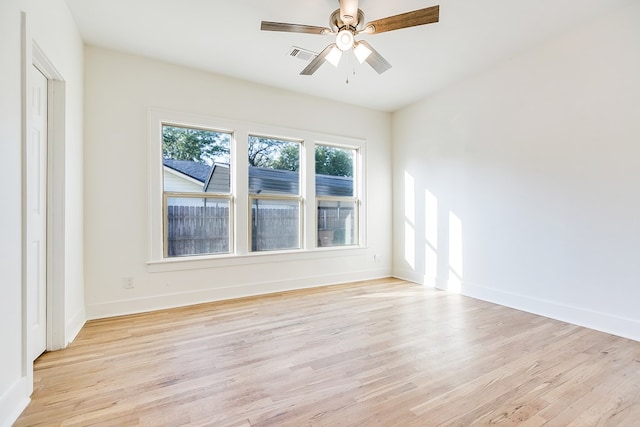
point(50, 25)
point(119, 91)
point(534, 167)
point(12, 380)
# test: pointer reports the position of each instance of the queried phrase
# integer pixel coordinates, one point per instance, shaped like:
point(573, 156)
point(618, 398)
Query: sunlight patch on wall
point(410, 245)
point(431, 218)
point(455, 254)
point(409, 198)
point(409, 223)
point(431, 238)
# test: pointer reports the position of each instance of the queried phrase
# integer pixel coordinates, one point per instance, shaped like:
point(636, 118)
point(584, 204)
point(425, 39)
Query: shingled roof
point(197, 171)
point(269, 180)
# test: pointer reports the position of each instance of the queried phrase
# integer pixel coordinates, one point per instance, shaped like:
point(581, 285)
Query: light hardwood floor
point(378, 353)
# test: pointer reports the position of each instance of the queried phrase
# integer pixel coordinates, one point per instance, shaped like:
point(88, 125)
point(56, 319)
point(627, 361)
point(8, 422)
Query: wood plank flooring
point(377, 353)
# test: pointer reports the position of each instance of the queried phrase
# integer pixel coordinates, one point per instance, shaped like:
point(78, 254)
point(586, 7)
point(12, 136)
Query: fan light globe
point(333, 57)
point(362, 52)
point(344, 40)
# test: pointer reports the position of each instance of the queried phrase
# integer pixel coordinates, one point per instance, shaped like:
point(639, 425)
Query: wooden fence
point(193, 230)
point(274, 229)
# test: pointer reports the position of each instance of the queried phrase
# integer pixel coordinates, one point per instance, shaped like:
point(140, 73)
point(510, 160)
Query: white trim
point(25, 63)
point(32, 54)
point(253, 258)
point(43, 63)
point(161, 302)
point(240, 131)
point(13, 402)
point(16, 398)
point(604, 322)
point(412, 276)
point(74, 325)
point(56, 328)
point(620, 326)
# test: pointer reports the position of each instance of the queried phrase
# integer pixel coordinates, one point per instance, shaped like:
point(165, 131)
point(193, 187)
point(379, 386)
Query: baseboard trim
point(603, 322)
point(13, 402)
point(75, 325)
point(161, 302)
point(412, 276)
point(599, 321)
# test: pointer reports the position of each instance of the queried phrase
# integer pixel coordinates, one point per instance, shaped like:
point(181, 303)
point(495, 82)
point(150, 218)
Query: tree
point(196, 145)
point(289, 159)
point(274, 154)
point(333, 161)
point(205, 146)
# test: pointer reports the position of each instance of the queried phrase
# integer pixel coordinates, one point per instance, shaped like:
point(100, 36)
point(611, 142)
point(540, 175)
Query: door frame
point(34, 55)
point(55, 198)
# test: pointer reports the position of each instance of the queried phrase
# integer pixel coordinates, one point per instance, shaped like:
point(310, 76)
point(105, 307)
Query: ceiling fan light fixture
point(345, 24)
point(333, 57)
point(362, 52)
point(344, 40)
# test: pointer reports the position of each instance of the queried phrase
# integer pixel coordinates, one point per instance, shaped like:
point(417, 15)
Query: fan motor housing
point(336, 23)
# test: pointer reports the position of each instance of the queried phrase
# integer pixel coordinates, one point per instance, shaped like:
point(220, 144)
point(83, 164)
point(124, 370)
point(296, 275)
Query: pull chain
point(353, 72)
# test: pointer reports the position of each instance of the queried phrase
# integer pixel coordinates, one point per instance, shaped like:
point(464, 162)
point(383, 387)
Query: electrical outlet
point(127, 282)
point(377, 258)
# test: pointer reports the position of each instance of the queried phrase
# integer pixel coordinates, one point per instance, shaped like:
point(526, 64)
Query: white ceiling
point(224, 37)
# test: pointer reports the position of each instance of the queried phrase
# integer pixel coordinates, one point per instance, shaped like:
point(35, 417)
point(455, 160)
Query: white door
point(36, 196)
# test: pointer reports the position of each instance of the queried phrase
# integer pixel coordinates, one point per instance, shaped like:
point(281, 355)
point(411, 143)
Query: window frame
point(196, 195)
point(302, 172)
point(240, 199)
point(355, 198)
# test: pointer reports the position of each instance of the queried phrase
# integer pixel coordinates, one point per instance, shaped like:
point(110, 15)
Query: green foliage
point(274, 154)
point(196, 145)
point(285, 155)
point(289, 158)
point(333, 161)
point(205, 146)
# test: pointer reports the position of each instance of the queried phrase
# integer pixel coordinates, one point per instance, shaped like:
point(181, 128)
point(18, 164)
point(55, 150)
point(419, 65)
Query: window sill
point(230, 260)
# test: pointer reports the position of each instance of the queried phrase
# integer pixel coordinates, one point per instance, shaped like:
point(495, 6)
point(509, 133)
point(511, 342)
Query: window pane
point(195, 160)
point(274, 166)
point(197, 225)
point(336, 223)
point(334, 171)
point(275, 224)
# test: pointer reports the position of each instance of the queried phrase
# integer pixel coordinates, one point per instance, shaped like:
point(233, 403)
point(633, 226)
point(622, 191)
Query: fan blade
point(427, 15)
point(349, 12)
point(376, 60)
point(293, 28)
point(317, 61)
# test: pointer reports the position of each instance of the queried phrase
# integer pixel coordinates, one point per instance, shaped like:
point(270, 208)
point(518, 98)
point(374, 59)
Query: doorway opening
point(43, 183)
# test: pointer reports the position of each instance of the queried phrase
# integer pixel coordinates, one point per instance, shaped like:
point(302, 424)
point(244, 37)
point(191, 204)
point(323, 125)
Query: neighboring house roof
point(263, 179)
point(213, 178)
point(327, 185)
point(198, 171)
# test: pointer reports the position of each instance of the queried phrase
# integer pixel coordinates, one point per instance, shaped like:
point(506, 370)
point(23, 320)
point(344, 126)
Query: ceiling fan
point(345, 24)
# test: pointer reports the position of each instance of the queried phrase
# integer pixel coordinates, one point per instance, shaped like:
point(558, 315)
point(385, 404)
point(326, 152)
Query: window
point(336, 196)
point(274, 193)
point(226, 191)
point(197, 191)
